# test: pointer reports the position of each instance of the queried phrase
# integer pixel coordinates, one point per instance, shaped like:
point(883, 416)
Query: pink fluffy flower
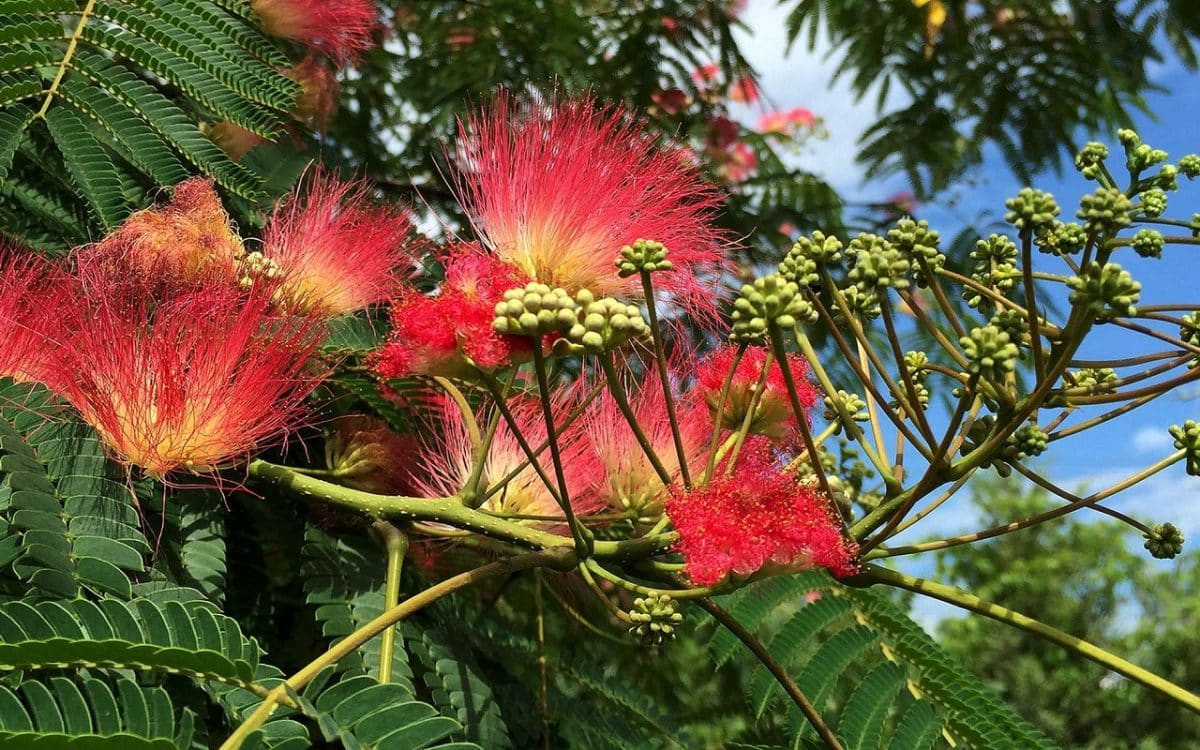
point(739, 163)
point(774, 416)
point(451, 333)
point(333, 250)
point(557, 188)
point(340, 29)
point(786, 121)
point(759, 516)
point(30, 316)
point(705, 75)
point(443, 465)
point(744, 90)
point(624, 478)
point(189, 382)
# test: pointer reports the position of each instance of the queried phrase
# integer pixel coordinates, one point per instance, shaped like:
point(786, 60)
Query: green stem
point(559, 558)
point(777, 671)
point(689, 593)
point(814, 458)
point(660, 357)
point(719, 414)
point(448, 510)
point(515, 428)
point(618, 394)
point(583, 537)
point(396, 543)
point(972, 603)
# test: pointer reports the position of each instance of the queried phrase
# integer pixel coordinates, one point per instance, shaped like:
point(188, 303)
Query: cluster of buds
point(1164, 541)
point(995, 267)
point(604, 324)
point(803, 262)
point(535, 310)
point(654, 619)
point(1061, 238)
point(1105, 212)
point(917, 242)
point(1105, 290)
point(850, 405)
point(1187, 439)
point(876, 263)
point(643, 256)
point(1028, 441)
point(1031, 209)
point(989, 351)
point(769, 300)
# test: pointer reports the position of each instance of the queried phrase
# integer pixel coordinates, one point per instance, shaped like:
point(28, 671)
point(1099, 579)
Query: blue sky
point(1100, 456)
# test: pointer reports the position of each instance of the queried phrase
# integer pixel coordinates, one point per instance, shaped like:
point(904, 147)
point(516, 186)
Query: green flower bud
point(769, 299)
point(915, 362)
point(915, 240)
point(642, 255)
point(1189, 332)
point(1030, 209)
point(1164, 541)
point(865, 304)
point(1096, 380)
point(1089, 158)
point(1187, 438)
point(606, 324)
point(1190, 166)
point(1166, 179)
point(995, 260)
point(535, 310)
point(1026, 442)
point(989, 351)
point(1128, 138)
point(1105, 211)
point(1060, 238)
point(1154, 202)
point(1148, 243)
point(848, 403)
point(1105, 290)
point(807, 256)
point(654, 619)
point(1012, 322)
point(876, 263)
point(1141, 156)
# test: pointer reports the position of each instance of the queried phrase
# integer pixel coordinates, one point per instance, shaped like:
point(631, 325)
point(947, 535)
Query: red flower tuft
point(336, 252)
point(786, 121)
point(340, 29)
point(185, 241)
point(774, 417)
point(189, 382)
point(744, 90)
point(31, 293)
point(444, 335)
point(557, 188)
point(758, 516)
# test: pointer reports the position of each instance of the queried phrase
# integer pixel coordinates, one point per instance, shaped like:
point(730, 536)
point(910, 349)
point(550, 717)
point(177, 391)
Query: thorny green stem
point(789, 380)
point(968, 601)
point(660, 357)
point(559, 558)
point(583, 537)
point(777, 671)
point(395, 542)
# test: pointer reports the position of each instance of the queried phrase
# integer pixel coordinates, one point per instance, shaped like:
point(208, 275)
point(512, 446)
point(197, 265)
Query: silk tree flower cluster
point(184, 348)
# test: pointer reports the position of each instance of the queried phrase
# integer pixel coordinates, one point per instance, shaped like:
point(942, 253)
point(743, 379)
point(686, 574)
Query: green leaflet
point(77, 522)
point(124, 92)
point(90, 713)
point(898, 689)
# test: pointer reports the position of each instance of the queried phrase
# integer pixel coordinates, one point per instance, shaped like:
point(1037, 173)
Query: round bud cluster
point(1148, 243)
point(1166, 179)
point(844, 402)
point(1097, 380)
point(1154, 202)
point(1140, 156)
point(1128, 138)
point(808, 255)
point(654, 619)
point(977, 434)
point(605, 323)
point(1105, 211)
point(1030, 209)
point(1164, 541)
point(1014, 323)
point(1190, 166)
point(995, 267)
point(1105, 290)
point(535, 310)
point(1061, 238)
point(769, 299)
point(876, 263)
point(864, 304)
point(915, 240)
point(1189, 332)
point(989, 351)
point(1026, 442)
point(1187, 439)
point(915, 363)
point(643, 255)
point(1089, 159)
point(254, 267)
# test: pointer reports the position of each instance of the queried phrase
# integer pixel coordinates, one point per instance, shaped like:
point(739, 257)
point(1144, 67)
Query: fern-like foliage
point(102, 102)
point(896, 688)
point(71, 521)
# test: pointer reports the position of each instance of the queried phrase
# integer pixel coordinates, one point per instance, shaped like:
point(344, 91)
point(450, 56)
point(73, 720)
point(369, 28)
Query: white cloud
point(1151, 440)
point(804, 78)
